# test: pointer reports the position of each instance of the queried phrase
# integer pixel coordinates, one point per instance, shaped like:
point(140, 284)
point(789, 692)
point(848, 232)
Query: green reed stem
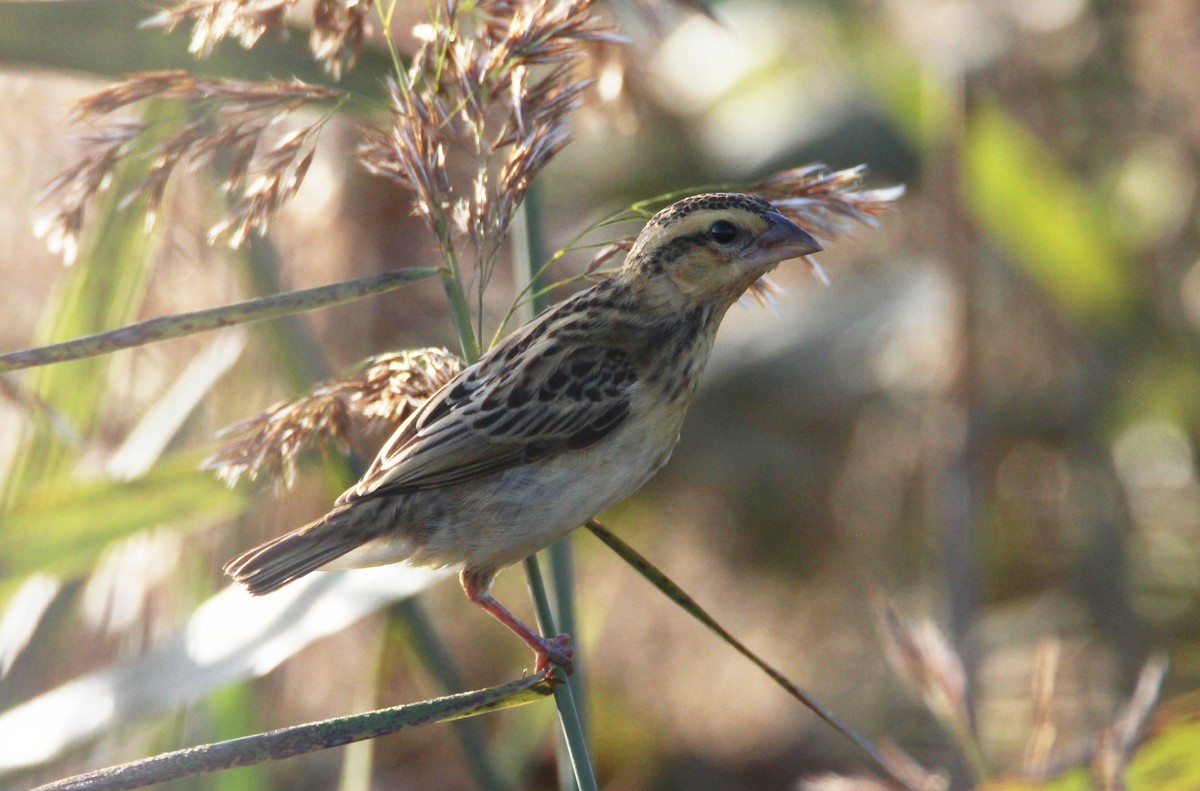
point(460, 312)
point(528, 248)
point(658, 579)
point(300, 739)
point(181, 325)
point(568, 712)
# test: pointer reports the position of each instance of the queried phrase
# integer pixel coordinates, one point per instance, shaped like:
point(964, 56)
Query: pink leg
point(554, 650)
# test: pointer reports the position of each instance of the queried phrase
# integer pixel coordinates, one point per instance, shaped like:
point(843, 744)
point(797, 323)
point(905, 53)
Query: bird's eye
point(722, 231)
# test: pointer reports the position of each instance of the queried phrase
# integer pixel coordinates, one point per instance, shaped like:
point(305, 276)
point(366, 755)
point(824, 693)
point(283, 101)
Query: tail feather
point(276, 563)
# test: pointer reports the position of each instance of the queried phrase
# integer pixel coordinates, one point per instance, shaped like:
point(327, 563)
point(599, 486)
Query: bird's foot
point(549, 651)
point(555, 651)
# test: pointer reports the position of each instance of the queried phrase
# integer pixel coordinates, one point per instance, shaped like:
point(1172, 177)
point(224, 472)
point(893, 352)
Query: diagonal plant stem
point(183, 324)
point(306, 738)
point(676, 594)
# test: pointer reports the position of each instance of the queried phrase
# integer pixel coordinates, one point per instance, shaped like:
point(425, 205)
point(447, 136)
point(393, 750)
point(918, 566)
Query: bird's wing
point(527, 399)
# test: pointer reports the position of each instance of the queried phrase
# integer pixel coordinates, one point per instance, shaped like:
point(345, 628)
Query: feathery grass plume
point(338, 26)
point(215, 20)
point(826, 203)
point(1115, 744)
point(1044, 732)
point(234, 119)
point(384, 391)
point(922, 656)
point(494, 87)
point(79, 183)
point(902, 766)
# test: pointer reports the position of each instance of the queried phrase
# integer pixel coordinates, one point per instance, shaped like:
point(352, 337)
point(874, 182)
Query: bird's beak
point(783, 239)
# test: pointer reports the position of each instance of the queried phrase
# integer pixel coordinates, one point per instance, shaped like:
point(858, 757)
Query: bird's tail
point(282, 560)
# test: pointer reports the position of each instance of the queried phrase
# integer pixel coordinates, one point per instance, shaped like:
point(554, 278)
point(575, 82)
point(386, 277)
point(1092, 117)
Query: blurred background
point(989, 419)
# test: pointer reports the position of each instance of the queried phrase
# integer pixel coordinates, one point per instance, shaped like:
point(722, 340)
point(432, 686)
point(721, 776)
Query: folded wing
point(499, 414)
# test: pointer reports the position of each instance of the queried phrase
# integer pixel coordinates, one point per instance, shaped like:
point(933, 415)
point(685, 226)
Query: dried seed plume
point(235, 126)
point(384, 391)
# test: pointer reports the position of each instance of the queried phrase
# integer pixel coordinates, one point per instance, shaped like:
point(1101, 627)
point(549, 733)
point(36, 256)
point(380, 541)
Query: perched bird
point(565, 417)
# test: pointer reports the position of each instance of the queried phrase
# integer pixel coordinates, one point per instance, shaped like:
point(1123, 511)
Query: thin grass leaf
point(234, 711)
point(1115, 744)
point(422, 638)
point(922, 656)
point(161, 422)
point(676, 594)
point(1044, 731)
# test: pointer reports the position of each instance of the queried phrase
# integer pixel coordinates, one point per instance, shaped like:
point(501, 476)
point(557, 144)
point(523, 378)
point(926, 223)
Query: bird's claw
point(556, 650)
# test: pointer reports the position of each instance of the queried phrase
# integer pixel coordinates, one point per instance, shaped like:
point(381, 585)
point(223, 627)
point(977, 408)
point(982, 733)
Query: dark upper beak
point(783, 239)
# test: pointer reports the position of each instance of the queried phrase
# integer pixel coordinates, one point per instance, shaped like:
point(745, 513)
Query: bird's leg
point(556, 650)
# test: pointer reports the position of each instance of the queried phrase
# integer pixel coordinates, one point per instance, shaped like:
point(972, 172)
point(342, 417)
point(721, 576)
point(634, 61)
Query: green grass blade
point(229, 637)
point(233, 711)
point(433, 654)
point(63, 528)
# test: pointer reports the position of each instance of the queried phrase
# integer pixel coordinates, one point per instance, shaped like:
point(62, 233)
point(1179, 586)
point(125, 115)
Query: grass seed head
point(384, 391)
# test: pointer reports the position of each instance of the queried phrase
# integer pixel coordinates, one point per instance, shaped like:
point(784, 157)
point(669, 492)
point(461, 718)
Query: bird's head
point(711, 248)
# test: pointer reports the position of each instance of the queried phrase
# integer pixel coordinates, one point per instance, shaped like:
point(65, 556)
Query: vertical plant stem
point(528, 250)
point(562, 582)
point(568, 712)
point(961, 474)
point(459, 311)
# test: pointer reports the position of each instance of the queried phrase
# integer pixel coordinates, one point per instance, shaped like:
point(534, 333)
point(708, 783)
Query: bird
point(563, 418)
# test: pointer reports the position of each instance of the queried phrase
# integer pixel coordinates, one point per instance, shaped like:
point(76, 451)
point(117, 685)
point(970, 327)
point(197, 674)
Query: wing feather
point(510, 408)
